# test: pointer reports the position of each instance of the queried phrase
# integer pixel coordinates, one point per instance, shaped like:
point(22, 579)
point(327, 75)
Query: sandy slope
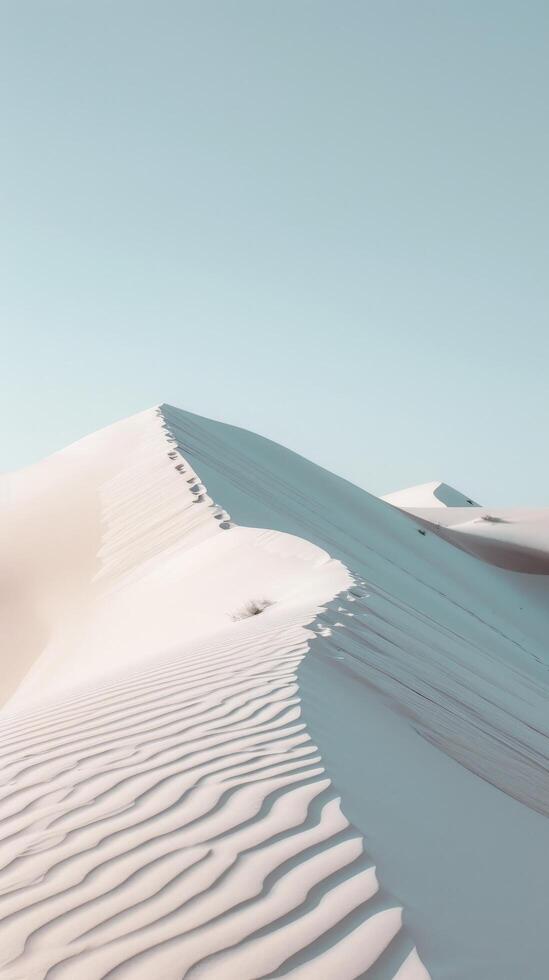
point(433, 494)
point(164, 810)
point(179, 777)
point(516, 539)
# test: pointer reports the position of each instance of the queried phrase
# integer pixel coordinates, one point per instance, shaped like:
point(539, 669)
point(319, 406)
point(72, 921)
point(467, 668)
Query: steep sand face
point(439, 658)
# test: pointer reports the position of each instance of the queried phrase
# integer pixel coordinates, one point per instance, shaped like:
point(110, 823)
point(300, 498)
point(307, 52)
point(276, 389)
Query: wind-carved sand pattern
point(178, 822)
point(171, 817)
point(135, 527)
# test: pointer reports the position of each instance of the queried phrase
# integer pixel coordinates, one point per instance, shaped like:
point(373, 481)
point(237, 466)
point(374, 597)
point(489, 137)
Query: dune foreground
point(259, 723)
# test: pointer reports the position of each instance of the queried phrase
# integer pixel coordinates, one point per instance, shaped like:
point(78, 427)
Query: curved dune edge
point(513, 556)
point(449, 641)
point(440, 657)
point(166, 813)
point(515, 539)
point(435, 495)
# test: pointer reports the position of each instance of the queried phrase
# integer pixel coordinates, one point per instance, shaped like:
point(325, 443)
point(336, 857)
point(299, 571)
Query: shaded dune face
point(498, 548)
point(514, 539)
point(270, 726)
point(436, 675)
point(439, 633)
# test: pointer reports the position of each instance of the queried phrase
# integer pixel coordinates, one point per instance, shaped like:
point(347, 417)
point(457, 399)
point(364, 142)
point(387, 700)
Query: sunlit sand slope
point(178, 821)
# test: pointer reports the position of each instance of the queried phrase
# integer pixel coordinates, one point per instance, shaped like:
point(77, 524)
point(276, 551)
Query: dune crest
point(433, 494)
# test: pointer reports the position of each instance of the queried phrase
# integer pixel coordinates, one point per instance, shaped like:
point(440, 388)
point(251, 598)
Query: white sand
point(516, 538)
point(434, 494)
point(164, 811)
point(178, 776)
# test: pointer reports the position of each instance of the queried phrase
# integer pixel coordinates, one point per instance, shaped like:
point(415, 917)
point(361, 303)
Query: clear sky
point(324, 221)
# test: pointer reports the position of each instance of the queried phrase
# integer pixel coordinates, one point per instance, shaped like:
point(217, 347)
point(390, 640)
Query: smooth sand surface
point(434, 494)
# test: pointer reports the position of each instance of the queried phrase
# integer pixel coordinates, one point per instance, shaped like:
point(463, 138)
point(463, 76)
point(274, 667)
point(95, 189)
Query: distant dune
point(429, 495)
point(260, 723)
point(513, 538)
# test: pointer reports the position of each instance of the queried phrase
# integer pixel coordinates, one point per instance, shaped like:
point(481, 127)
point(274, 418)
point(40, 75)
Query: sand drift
point(259, 723)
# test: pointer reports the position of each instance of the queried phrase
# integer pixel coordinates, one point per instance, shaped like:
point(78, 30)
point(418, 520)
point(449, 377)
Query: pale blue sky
point(326, 222)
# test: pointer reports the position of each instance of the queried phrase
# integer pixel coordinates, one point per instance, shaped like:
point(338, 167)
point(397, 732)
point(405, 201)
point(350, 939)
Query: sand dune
point(178, 821)
point(433, 494)
point(516, 539)
point(259, 723)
